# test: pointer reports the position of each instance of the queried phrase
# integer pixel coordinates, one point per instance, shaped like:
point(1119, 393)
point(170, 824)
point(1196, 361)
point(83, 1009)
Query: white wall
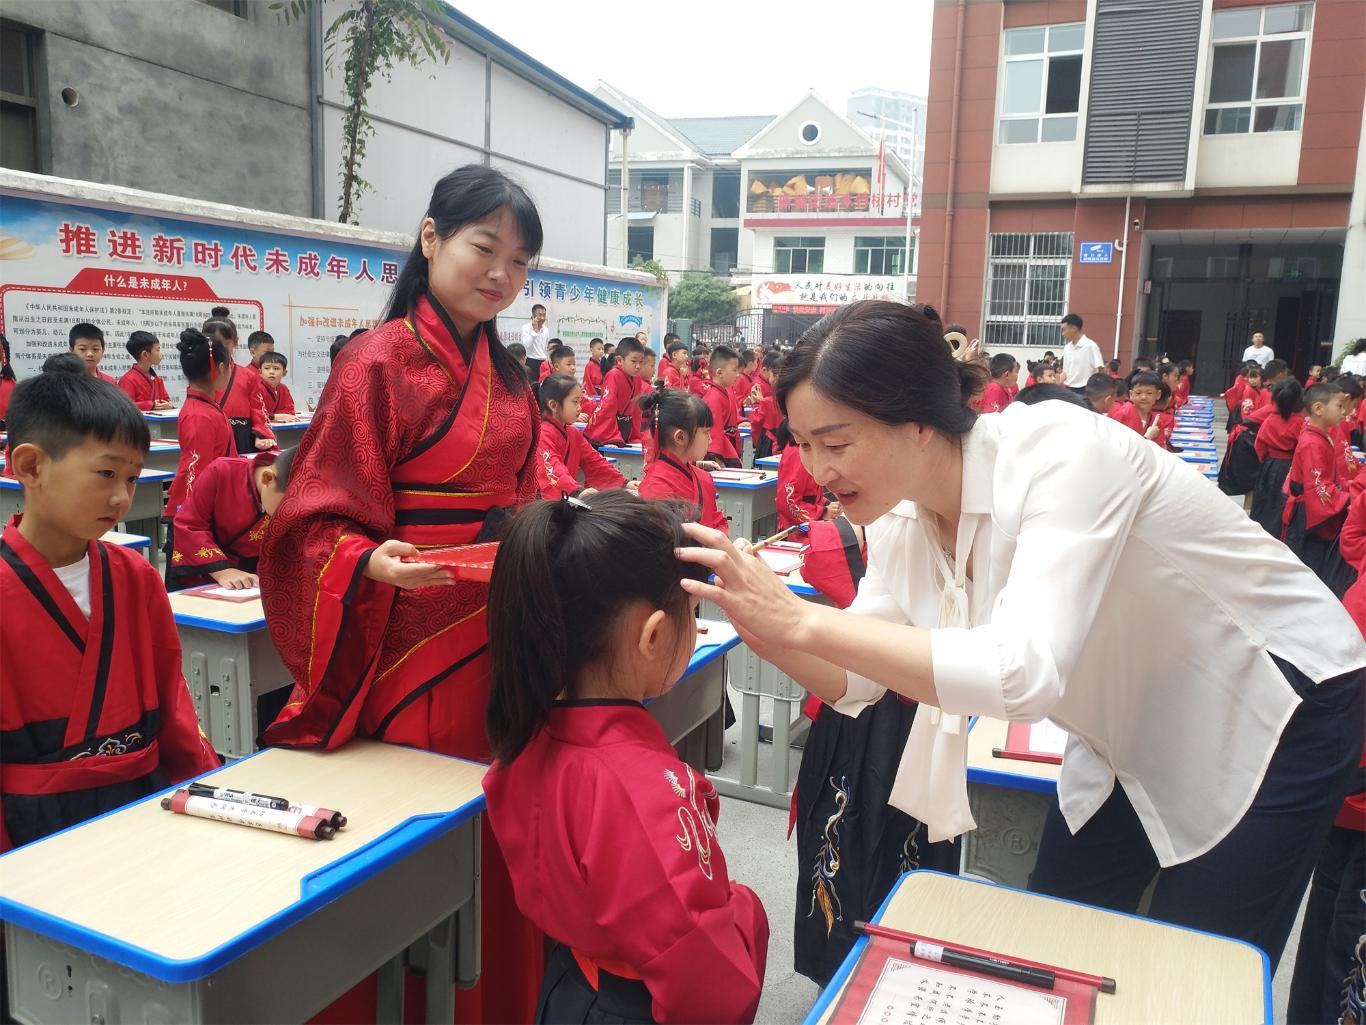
point(1254, 159)
point(1035, 167)
point(1351, 322)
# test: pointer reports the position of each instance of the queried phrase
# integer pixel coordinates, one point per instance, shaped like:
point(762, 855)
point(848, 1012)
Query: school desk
point(687, 709)
point(768, 463)
point(746, 446)
point(1163, 973)
point(142, 915)
point(144, 513)
point(1009, 798)
point(288, 435)
point(229, 662)
point(630, 459)
point(134, 541)
point(163, 455)
point(750, 504)
point(163, 423)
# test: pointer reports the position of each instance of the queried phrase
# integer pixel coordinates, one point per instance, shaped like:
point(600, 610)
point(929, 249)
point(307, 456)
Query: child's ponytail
point(200, 357)
point(1288, 398)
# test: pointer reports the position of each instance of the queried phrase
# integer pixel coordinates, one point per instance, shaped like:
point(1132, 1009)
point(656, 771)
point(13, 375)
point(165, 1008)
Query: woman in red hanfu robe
point(423, 437)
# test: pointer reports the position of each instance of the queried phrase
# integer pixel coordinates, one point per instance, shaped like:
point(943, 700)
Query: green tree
point(650, 267)
point(378, 35)
point(702, 298)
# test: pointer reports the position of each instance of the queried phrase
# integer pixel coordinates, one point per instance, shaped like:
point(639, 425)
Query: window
point(1256, 81)
point(1027, 276)
point(640, 244)
point(725, 194)
point(725, 245)
point(1041, 84)
point(237, 8)
point(654, 192)
point(799, 255)
point(18, 100)
point(877, 254)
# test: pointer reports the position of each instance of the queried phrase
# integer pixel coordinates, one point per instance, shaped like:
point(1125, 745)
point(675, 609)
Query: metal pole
point(625, 198)
point(1123, 262)
point(910, 195)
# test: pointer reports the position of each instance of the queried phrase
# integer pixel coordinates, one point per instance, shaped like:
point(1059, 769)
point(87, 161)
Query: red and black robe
point(416, 437)
point(725, 426)
point(143, 387)
point(668, 477)
point(592, 379)
point(95, 712)
point(616, 420)
point(800, 498)
point(243, 402)
point(205, 435)
point(220, 525)
point(279, 402)
point(561, 453)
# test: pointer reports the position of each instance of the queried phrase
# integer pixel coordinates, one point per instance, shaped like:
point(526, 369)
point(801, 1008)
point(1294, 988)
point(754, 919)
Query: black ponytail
point(200, 357)
point(6, 365)
point(563, 575)
point(466, 195)
point(1288, 397)
point(669, 409)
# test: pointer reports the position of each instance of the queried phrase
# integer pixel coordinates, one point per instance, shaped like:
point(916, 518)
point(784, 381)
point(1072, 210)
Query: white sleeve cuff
point(967, 672)
point(859, 693)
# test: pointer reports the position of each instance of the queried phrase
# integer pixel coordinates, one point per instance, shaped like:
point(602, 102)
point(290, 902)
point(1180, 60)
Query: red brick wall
point(1043, 12)
point(1337, 80)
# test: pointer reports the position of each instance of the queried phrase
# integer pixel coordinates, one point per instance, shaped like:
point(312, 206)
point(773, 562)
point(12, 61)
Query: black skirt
point(1322, 555)
point(567, 998)
point(1268, 495)
point(1238, 472)
point(852, 845)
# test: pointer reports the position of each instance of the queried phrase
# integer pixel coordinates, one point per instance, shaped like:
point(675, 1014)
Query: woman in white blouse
point(1046, 561)
point(1355, 362)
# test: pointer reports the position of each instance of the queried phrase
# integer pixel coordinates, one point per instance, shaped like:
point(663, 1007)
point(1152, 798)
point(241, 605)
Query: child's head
point(64, 363)
point(724, 366)
point(1003, 368)
point(76, 444)
point(204, 361)
point(259, 343)
point(563, 361)
point(1100, 392)
point(87, 342)
point(1145, 388)
point(220, 312)
point(1323, 404)
point(678, 354)
point(1145, 363)
point(1252, 374)
point(1316, 371)
point(632, 355)
point(552, 345)
point(679, 421)
point(1288, 398)
point(1276, 369)
point(274, 366)
point(1113, 366)
point(1047, 373)
point(772, 366)
point(334, 350)
point(272, 477)
point(145, 348)
point(561, 398)
point(1164, 398)
point(1121, 389)
point(224, 330)
point(518, 351)
point(1349, 386)
point(608, 348)
point(595, 349)
point(1185, 367)
point(749, 361)
point(1331, 373)
point(585, 601)
point(1169, 374)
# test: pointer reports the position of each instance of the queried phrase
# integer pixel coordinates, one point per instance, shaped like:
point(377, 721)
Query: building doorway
point(1207, 300)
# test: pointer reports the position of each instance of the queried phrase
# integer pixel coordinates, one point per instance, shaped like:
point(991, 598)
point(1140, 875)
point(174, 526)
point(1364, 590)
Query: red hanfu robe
point(699, 381)
point(416, 437)
point(744, 384)
point(1342, 440)
point(205, 435)
point(105, 377)
point(1277, 436)
point(279, 401)
point(1313, 485)
point(561, 453)
point(143, 388)
point(592, 379)
point(220, 525)
point(1182, 392)
point(243, 402)
point(95, 712)
point(668, 477)
point(675, 378)
point(619, 393)
point(994, 398)
point(611, 844)
point(6, 390)
point(800, 498)
point(725, 425)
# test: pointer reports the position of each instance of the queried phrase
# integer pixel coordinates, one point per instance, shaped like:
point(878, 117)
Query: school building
point(1181, 173)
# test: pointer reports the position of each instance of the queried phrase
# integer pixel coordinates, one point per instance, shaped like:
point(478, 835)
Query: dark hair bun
point(190, 340)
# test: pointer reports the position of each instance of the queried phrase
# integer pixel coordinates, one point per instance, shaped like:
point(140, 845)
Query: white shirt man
point(1258, 351)
point(1080, 356)
point(536, 336)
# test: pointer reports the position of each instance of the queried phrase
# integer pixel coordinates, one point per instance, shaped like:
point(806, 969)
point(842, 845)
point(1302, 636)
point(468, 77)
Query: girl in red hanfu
point(204, 432)
point(609, 837)
point(1316, 496)
point(1274, 446)
point(680, 427)
point(800, 499)
point(242, 398)
point(563, 450)
point(424, 436)
point(7, 381)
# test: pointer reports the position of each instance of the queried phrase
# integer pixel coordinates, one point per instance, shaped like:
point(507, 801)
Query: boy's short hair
point(140, 342)
point(773, 360)
point(517, 349)
point(259, 338)
point(669, 338)
point(1072, 319)
point(59, 411)
point(629, 346)
point(276, 357)
point(1113, 365)
point(1001, 363)
point(536, 307)
point(86, 331)
point(561, 354)
point(64, 363)
point(595, 341)
point(1098, 386)
point(1145, 378)
point(1275, 367)
point(675, 346)
point(723, 354)
point(334, 350)
point(1349, 385)
point(1321, 392)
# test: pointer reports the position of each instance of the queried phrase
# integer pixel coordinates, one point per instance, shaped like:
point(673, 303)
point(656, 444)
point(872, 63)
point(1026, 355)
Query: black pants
point(567, 998)
point(1249, 885)
point(1334, 925)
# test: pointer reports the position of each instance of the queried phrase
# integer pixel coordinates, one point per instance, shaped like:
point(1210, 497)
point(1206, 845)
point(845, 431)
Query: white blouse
point(1115, 590)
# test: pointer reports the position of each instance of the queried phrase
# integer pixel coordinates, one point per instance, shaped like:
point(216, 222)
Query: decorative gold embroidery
point(694, 819)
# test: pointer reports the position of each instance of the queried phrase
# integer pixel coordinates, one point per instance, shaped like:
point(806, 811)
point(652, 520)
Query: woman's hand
point(761, 608)
point(235, 579)
point(386, 565)
point(633, 486)
point(264, 443)
point(707, 464)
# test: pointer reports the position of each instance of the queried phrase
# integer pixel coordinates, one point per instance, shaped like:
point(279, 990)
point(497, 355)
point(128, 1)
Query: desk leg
point(389, 992)
point(468, 957)
point(441, 953)
point(782, 750)
point(749, 739)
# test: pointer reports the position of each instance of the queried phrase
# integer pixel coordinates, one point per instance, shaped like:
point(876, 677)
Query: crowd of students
point(597, 834)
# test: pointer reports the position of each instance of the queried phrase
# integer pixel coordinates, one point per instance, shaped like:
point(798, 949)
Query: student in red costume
point(258, 344)
point(279, 401)
point(800, 499)
point(1316, 495)
point(765, 417)
point(725, 418)
point(241, 398)
point(592, 370)
point(140, 382)
point(1139, 413)
point(204, 432)
point(610, 839)
point(1274, 446)
point(95, 712)
point(676, 370)
point(700, 374)
point(424, 435)
point(1349, 386)
point(562, 450)
point(560, 361)
point(681, 429)
point(87, 342)
point(1004, 371)
point(744, 383)
point(218, 529)
point(551, 347)
point(617, 418)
